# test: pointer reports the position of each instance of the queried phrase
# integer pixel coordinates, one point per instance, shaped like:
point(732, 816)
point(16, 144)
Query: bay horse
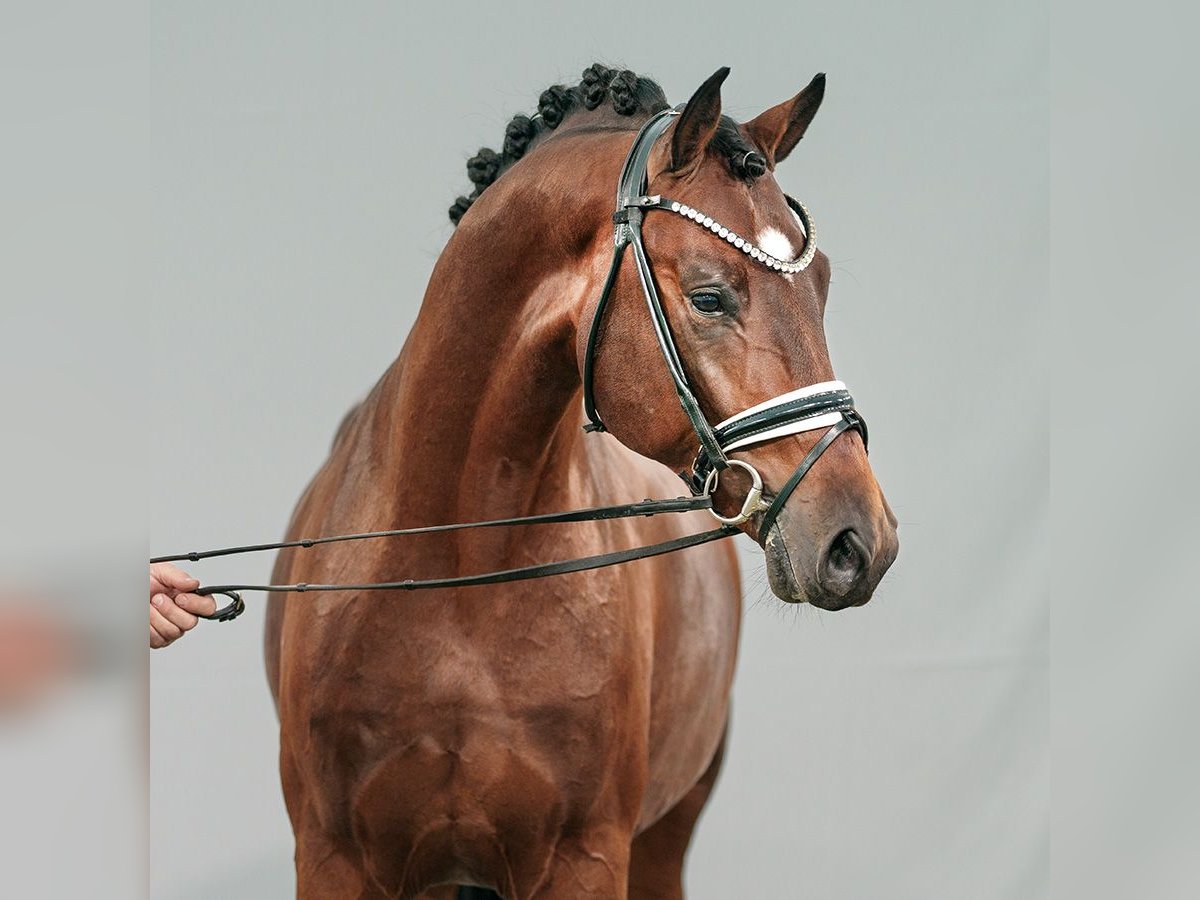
point(559, 738)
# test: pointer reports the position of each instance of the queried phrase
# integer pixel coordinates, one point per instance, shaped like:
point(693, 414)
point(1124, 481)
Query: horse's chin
point(781, 572)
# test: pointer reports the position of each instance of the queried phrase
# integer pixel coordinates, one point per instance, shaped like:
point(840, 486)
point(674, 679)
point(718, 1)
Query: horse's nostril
point(846, 561)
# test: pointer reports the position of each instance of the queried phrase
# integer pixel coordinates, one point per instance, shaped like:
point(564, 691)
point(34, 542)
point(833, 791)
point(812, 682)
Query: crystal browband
point(761, 256)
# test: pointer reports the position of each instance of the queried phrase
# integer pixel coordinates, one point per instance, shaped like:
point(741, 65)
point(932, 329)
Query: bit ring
point(753, 502)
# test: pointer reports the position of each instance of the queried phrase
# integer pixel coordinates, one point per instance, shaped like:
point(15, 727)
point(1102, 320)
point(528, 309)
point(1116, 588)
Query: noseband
point(825, 405)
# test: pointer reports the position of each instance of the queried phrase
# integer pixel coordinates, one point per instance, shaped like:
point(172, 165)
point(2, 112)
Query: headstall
point(826, 405)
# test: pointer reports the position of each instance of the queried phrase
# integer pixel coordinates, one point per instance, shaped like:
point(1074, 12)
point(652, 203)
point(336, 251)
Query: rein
point(826, 405)
point(237, 606)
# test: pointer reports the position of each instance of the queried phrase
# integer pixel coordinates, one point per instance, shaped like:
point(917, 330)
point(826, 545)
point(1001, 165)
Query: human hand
point(173, 608)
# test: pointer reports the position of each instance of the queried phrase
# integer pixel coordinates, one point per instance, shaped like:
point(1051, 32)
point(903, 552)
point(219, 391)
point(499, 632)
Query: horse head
point(744, 297)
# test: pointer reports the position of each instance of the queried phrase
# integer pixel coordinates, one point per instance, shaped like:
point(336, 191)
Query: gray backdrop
point(303, 159)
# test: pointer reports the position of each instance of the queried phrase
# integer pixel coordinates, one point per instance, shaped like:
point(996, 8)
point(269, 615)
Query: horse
point(559, 738)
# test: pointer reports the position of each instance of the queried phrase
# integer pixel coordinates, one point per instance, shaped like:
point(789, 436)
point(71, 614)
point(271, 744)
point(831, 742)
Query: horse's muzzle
point(836, 567)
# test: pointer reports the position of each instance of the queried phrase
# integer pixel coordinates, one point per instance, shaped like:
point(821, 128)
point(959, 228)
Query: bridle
point(826, 405)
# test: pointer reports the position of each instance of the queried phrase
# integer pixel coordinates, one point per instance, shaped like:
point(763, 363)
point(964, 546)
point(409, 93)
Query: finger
point(156, 640)
point(181, 618)
point(171, 576)
point(197, 604)
point(168, 629)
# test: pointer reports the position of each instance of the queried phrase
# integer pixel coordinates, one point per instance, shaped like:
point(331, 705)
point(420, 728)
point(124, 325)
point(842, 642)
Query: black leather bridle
point(829, 404)
point(826, 405)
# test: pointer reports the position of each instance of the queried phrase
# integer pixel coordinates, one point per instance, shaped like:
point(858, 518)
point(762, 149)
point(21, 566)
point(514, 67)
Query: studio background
point(304, 158)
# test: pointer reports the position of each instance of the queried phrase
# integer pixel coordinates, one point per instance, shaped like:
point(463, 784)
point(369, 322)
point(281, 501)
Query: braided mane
point(629, 94)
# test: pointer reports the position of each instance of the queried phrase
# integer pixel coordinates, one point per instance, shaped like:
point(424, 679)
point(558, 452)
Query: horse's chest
point(540, 718)
point(480, 756)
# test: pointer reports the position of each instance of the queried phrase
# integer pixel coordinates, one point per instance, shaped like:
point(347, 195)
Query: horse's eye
point(707, 304)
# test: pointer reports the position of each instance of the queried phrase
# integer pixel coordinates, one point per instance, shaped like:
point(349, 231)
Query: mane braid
point(629, 95)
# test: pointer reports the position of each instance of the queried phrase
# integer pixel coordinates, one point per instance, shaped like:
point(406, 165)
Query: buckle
point(230, 612)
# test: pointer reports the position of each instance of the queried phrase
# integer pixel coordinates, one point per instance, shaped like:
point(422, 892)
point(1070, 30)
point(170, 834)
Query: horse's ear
point(697, 123)
point(780, 128)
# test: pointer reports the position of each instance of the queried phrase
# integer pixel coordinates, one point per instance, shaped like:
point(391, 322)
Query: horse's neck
point(479, 416)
